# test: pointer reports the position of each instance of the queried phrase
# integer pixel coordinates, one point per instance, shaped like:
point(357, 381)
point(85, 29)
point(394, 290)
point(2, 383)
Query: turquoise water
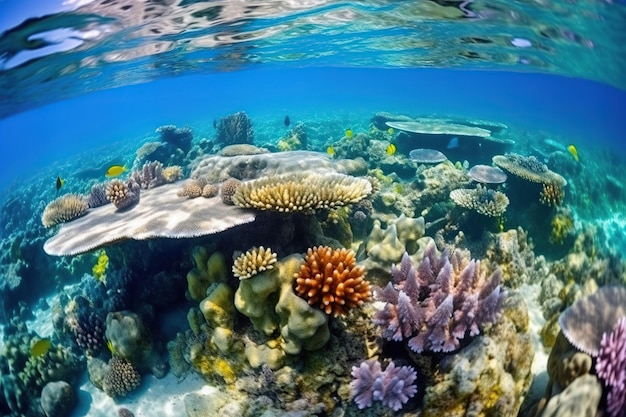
point(156, 286)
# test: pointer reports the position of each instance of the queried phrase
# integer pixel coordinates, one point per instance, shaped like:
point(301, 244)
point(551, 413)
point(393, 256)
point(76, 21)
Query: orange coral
point(330, 279)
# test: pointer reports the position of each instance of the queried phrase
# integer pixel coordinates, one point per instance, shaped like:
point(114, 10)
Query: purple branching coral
point(436, 304)
point(611, 368)
point(393, 386)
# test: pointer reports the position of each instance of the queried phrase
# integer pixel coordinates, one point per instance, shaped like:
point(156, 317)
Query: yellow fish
point(572, 149)
point(40, 347)
point(349, 133)
point(60, 182)
point(115, 171)
point(390, 130)
point(330, 150)
point(391, 149)
point(110, 346)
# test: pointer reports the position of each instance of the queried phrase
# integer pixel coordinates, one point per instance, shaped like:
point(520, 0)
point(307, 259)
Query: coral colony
point(319, 283)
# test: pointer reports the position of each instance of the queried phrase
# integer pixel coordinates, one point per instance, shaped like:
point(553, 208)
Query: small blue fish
point(454, 143)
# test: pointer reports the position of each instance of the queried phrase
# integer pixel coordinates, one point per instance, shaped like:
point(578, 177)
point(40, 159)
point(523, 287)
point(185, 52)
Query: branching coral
point(123, 194)
point(63, 209)
point(330, 279)
point(393, 387)
point(552, 194)
point(97, 196)
point(436, 304)
point(235, 128)
point(562, 227)
point(611, 367)
point(253, 261)
point(149, 176)
point(304, 191)
point(482, 200)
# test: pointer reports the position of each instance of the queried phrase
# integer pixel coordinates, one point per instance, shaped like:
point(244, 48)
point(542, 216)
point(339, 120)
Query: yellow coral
point(100, 268)
point(253, 261)
point(562, 227)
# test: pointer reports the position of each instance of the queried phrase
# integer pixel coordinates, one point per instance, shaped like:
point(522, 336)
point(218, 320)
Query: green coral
point(562, 227)
point(208, 270)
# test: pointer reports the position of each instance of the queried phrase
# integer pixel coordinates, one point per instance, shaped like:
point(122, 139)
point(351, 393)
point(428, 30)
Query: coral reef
point(486, 174)
point(128, 338)
point(482, 200)
point(191, 189)
point(301, 192)
point(552, 194)
point(123, 194)
point(180, 137)
point(172, 173)
point(330, 279)
point(235, 129)
point(254, 261)
point(64, 209)
point(393, 386)
point(562, 227)
point(528, 168)
point(208, 269)
point(97, 196)
point(436, 304)
point(210, 190)
point(150, 175)
point(241, 149)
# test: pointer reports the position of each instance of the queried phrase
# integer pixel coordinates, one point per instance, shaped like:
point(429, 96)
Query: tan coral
point(482, 200)
point(229, 188)
point(552, 194)
point(330, 279)
point(191, 189)
point(253, 261)
point(172, 173)
point(210, 190)
point(63, 209)
point(302, 192)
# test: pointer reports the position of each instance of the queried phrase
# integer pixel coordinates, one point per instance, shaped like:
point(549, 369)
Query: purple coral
point(611, 367)
point(393, 386)
point(436, 304)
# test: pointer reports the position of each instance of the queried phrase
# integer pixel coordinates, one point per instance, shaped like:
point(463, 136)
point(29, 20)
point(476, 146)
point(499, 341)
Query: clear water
point(85, 84)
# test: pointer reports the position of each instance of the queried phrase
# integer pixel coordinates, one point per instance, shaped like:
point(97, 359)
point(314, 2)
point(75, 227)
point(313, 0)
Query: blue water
point(583, 112)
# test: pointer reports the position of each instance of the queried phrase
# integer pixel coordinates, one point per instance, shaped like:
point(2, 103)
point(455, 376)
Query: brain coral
point(482, 200)
point(331, 279)
point(253, 261)
point(63, 209)
point(304, 191)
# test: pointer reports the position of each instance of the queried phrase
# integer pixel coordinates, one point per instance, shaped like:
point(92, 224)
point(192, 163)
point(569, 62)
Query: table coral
point(436, 304)
point(330, 279)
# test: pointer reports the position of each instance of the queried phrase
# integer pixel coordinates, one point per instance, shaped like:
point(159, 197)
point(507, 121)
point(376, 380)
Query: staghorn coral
point(191, 189)
point(393, 387)
point(253, 261)
point(611, 367)
point(229, 188)
point(121, 378)
point(172, 173)
point(435, 304)
point(552, 194)
point(329, 278)
point(123, 194)
point(235, 128)
point(482, 200)
point(63, 209)
point(149, 176)
point(585, 322)
point(302, 191)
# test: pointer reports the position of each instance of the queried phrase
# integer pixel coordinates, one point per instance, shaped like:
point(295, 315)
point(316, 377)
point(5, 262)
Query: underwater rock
point(58, 399)
point(580, 398)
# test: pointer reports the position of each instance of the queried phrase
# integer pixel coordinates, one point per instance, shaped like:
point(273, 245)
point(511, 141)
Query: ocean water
point(143, 310)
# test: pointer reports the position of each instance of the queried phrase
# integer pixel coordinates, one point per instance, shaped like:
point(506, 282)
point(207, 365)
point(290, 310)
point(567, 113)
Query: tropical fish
point(115, 171)
point(287, 121)
point(40, 347)
point(572, 149)
point(390, 130)
point(330, 150)
point(454, 143)
point(391, 149)
point(60, 183)
point(349, 133)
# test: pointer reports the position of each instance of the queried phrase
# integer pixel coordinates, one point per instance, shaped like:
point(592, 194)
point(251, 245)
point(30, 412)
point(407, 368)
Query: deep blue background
point(589, 113)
